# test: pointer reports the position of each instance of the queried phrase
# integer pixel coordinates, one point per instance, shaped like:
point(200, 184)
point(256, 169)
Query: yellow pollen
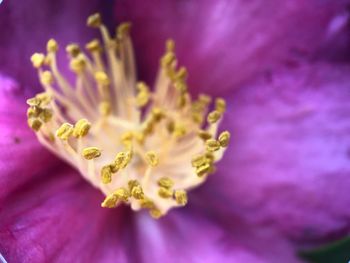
point(90, 153)
point(152, 158)
point(181, 197)
point(37, 60)
point(52, 46)
point(65, 131)
point(141, 145)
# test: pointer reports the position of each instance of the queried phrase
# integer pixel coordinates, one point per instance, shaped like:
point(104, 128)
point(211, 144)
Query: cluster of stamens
point(140, 146)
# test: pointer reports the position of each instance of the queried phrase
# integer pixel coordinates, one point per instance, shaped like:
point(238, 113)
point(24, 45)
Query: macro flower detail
point(142, 146)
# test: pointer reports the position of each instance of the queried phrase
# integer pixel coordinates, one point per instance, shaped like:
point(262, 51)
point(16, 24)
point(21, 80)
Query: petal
point(226, 42)
point(189, 236)
point(288, 165)
point(22, 157)
point(26, 26)
point(58, 218)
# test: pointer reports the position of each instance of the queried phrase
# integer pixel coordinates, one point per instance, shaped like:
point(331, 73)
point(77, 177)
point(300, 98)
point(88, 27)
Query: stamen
point(141, 146)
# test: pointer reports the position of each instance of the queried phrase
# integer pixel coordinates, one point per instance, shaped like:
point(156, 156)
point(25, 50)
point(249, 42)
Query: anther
point(37, 60)
point(203, 169)
point(220, 105)
point(73, 50)
point(65, 131)
point(94, 20)
point(90, 153)
point(94, 46)
point(35, 124)
point(212, 145)
point(204, 135)
point(52, 46)
point(102, 78)
point(165, 182)
point(214, 116)
point(106, 174)
point(164, 192)
point(181, 197)
point(46, 78)
point(77, 64)
point(105, 108)
point(123, 29)
point(81, 128)
point(152, 158)
point(224, 138)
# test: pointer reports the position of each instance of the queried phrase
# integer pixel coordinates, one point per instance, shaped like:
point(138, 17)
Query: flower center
point(140, 146)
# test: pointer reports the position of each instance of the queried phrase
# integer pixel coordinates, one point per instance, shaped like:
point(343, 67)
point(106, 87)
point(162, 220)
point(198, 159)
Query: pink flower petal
point(226, 42)
point(58, 218)
point(188, 236)
point(288, 165)
point(22, 157)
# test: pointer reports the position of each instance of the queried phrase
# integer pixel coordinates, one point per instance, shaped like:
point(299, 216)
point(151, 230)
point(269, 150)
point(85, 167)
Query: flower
point(282, 184)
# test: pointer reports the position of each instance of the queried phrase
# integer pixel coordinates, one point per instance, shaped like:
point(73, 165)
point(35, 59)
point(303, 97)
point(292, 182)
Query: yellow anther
point(214, 116)
point(137, 192)
point(197, 117)
point(52, 45)
point(122, 159)
point(33, 102)
point(165, 182)
point(46, 78)
point(106, 174)
point(212, 145)
point(110, 201)
point(179, 130)
point(180, 86)
point(44, 98)
point(127, 136)
point(143, 95)
point(181, 197)
point(37, 60)
point(94, 46)
point(152, 158)
point(33, 112)
point(35, 124)
point(181, 101)
point(209, 156)
point(146, 203)
point(167, 59)
point(224, 138)
point(203, 169)
point(65, 131)
point(220, 105)
point(204, 99)
point(123, 29)
point(73, 50)
point(46, 115)
point(199, 160)
point(105, 108)
point(204, 135)
point(77, 64)
point(90, 153)
point(102, 78)
point(170, 45)
point(181, 74)
point(155, 213)
point(94, 20)
point(81, 128)
point(122, 194)
point(157, 114)
point(165, 193)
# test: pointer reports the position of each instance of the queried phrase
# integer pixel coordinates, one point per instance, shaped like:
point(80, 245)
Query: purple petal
point(22, 157)
point(58, 218)
point(188, 236)
point(26, 26)
point(226, 42)
point(288, 165)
